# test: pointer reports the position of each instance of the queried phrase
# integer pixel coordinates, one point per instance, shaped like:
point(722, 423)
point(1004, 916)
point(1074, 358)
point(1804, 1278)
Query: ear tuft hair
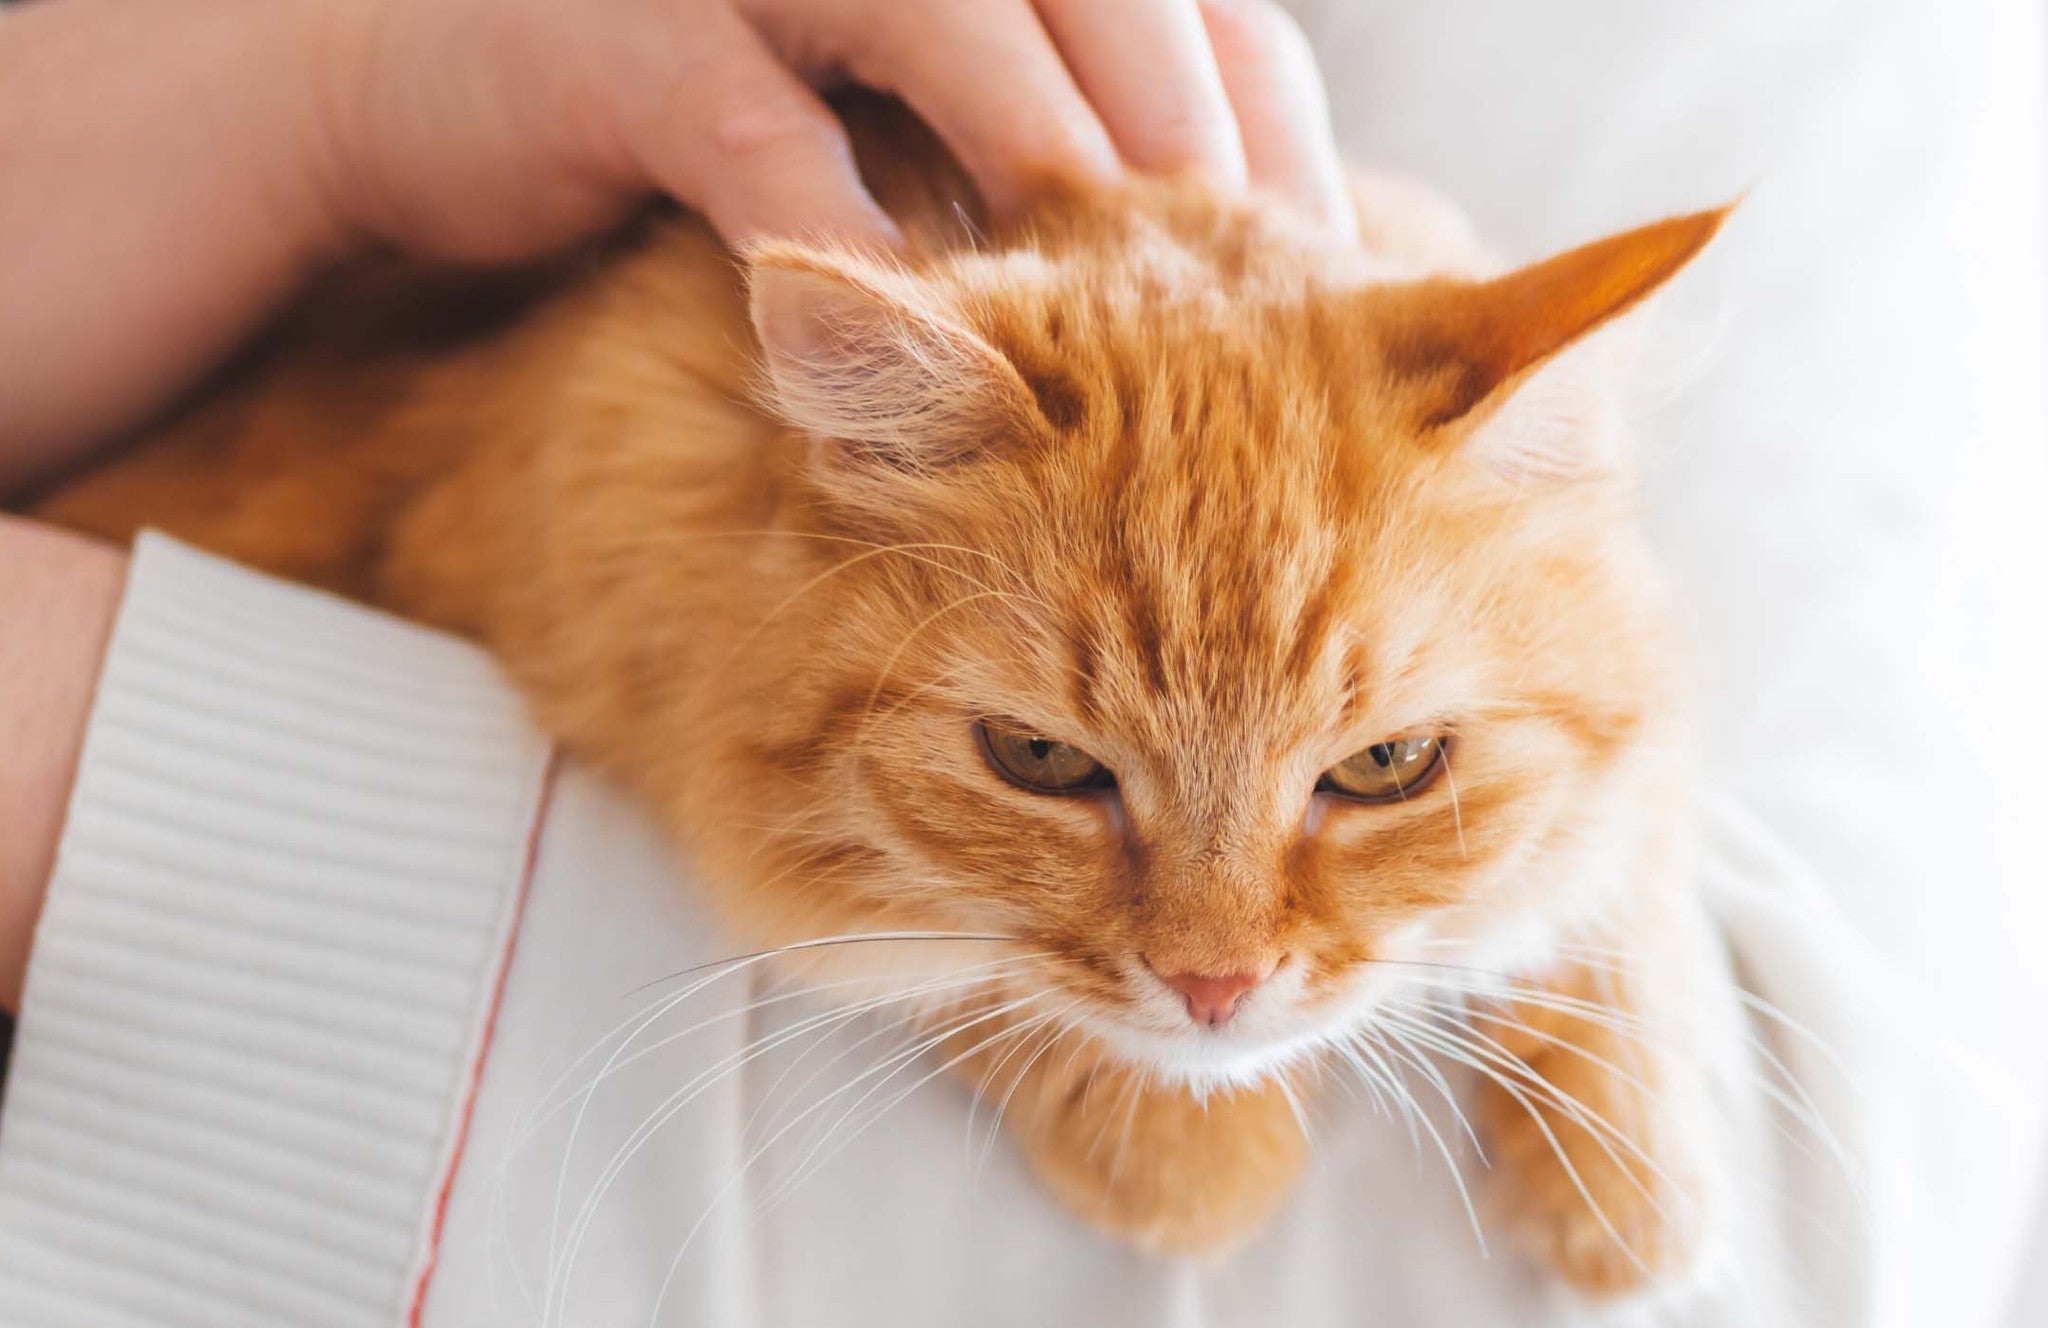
point(866, 357)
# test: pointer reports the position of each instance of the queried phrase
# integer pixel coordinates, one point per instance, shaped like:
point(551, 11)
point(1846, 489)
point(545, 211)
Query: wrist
point(57, 606)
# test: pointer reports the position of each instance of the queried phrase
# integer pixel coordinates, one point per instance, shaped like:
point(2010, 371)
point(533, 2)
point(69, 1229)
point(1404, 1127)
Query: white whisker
point(1400, 1046)
point(893, 1065)
point(1457, 813)
point(1053, 1032)
point(560, 1265)
point(1465, 1054)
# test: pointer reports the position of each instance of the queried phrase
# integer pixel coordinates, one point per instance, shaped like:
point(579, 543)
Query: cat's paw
point(1611, 1196)
point(1626, 1233)
point(1168, 1171)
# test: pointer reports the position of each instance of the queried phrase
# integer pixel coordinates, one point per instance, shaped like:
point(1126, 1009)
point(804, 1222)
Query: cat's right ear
point(872, 364)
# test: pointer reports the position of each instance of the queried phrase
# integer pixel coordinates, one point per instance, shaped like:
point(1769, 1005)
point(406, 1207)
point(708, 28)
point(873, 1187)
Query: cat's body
point(1211, 504)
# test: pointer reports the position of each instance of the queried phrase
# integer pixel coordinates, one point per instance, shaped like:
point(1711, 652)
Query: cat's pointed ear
point(865, 358)
point(1484, 364)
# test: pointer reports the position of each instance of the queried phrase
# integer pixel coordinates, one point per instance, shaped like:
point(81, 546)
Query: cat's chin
point(1205, 1060)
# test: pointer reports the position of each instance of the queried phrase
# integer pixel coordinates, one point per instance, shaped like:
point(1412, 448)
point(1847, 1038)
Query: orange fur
point(1165, 478)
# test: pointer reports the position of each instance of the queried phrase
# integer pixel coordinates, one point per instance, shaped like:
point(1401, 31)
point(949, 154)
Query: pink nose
point(1213, 997)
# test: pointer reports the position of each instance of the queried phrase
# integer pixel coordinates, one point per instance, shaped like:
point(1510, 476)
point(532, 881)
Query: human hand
point(57, 602)
point(494, 129)
point(175, 170)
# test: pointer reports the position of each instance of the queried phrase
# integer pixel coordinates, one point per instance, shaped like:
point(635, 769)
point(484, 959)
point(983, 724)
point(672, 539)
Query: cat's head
point(1220, 613)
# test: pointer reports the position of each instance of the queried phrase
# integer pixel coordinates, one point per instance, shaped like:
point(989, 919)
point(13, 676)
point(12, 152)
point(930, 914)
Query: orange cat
point(1251, 626)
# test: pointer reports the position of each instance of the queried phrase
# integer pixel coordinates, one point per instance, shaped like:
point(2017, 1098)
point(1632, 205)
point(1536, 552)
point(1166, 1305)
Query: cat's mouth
point(1206, 1033)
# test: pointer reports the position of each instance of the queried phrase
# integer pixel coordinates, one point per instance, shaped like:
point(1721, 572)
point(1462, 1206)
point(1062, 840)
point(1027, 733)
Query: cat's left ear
point(866, 358)
point(1506, 369)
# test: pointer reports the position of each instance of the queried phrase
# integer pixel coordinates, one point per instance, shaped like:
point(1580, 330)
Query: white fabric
point(258, 984)
point(1845, 487)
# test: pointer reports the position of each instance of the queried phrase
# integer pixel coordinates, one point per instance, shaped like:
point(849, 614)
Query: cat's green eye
point(1040, 764)
point(1389, 771)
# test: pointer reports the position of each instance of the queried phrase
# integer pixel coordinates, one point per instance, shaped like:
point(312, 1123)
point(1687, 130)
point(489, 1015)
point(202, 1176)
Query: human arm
point(58, 593)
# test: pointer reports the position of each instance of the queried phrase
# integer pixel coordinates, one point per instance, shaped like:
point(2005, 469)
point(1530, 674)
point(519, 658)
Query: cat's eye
point(1389, 771)
point(1040, 764)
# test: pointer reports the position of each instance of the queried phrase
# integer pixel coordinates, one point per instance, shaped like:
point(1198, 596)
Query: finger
point(1270, 76)
point(737, 136)
point(989, 82)
point(1148, 67)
